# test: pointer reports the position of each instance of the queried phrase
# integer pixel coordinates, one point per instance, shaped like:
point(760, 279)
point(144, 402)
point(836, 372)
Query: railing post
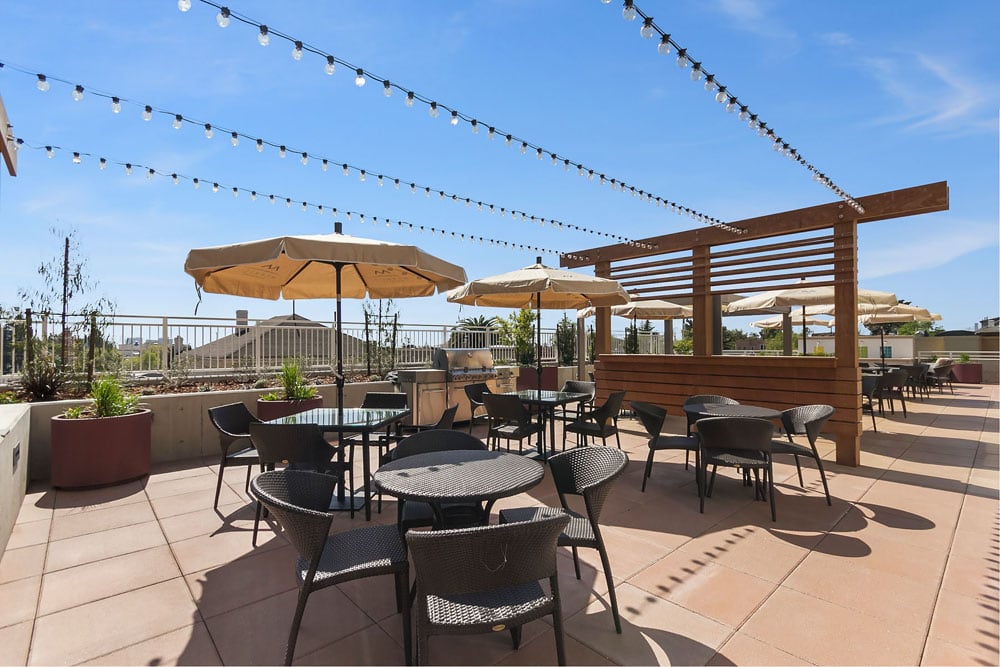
point(29, 335)
point(164, 352)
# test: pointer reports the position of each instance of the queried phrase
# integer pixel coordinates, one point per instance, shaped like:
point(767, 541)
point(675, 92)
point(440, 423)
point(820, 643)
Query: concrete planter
point(98, 451)
point(267, 410)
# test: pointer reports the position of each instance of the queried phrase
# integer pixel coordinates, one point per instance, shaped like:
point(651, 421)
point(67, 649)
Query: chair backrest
point(475, 392)
point(470, 560)
point(580, 387)
point(710, 398)
point(300, 501)
point(290, 443)
point(437, 441)
point(588, 472)
point(651, 416)
point(610, 409)
point(869, 384)
point(896, 378)
point(386, 400)
point(806, 420)
point(233, 419)
point(504, 408)
point(447, 417)
point(736, 433)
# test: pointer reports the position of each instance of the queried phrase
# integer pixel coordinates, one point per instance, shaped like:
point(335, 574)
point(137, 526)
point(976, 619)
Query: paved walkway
point(901, 570)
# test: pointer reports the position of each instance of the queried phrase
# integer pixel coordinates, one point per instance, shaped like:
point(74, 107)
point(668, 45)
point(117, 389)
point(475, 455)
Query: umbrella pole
point(881, 344)
point(803, 331)
point(340, 387)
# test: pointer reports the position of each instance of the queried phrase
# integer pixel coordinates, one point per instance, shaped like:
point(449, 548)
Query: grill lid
point(465, 362)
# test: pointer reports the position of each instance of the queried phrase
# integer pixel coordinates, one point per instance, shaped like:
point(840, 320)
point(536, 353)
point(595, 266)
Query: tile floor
point(902, 569)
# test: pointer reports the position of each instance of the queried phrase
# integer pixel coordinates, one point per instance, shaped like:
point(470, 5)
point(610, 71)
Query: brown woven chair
point(892, 385)
point(601, 422)
point(738, 442)
point(510, 420)
point(705, 399)
point(652, 418)
point(411, 514)
point(299, 500)
point(805, 420)
point(486, 579)
point(571, 411)
point(940, 375)
point(589, 472)
point(475, 392)
point(869, 387)
point(444, 423)
point(299, 447)
point(233, 423)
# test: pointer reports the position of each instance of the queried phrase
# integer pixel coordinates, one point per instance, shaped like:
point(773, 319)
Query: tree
point(566, 340)
point(65, 283)
point(519, 330)
point(382, 350)
point(473, 332)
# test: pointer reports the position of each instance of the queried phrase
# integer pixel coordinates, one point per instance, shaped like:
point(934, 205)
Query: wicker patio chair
point(300, 447)
point(444, 423)
point(510, 420)
point(892, 385)
point(233, 423)
point(589, 472)
point(940, 375)
point(805, 420)
point(486, 579)
point(474, 392)
point(601, 422)
point(869, 387)
point(738, 442)
point(703, 399)
point(571, 411)
point(299, 500)
point(411, 514)
point(652, 418)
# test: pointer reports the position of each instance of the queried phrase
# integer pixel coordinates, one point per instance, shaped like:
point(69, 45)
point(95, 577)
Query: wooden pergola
point(817, 246)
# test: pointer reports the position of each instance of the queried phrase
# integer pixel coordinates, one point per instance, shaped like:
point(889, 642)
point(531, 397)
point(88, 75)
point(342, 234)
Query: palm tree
point(473, 331)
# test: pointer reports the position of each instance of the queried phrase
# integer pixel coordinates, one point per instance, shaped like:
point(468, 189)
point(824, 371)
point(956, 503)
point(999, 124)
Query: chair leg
point(799, 469)
point(557, 626)
point(256, 524)
point(611, 587)
point(515, 637)
point(246, 486)
point(649, 469)
point(822, 476)
point(576, 563)
point(293, 634)
point(618, 439)
point(769, 474)
point(218, 483)
point(687, 457)
point(902, 401)
point(711, 482)
point(403, 594)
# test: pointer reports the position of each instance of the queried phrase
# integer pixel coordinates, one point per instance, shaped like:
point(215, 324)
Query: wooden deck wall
point(774, 382)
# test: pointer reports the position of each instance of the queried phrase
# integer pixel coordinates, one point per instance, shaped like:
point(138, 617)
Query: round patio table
point(702, 410)
point(464, 476)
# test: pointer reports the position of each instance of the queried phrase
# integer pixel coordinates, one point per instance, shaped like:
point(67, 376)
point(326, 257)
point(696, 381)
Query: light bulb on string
point(324, 165)
point(253, 195)
point(178, 121)
point(116, 105)
point(76, 158)
point(682, 59)
point(236, 192)
point(270, 198)
point(359, 80)
point(128, 169)
point(362, 176)
point(409, 99)
point(234, 139)
point(628, 11)
point(175, 178)
point(304, 159)
point(263, 38)
point(433, 110)
point(102, 164)
point(744, 113)
point(387, 88)
point(696, 72)
point(183, 5)
point(646, 31)
point(524, 147)
point(260, 145)
point(305, 207)
point(490, 133)
point(297, 51)
point(379, 180)
point(710, 84)
point(330, 67)
point(454, 118)
point(222, 18)
point(538, 153)
point(42, 84)
point(77, 93)
point(281, 151)
point(208, 131)
point(731, 105)
point(149, 174)
point(475, 126)
point(663, 48)
point(215, 187)
point(721, 96)
point(147, 113)
point(49, 152)
point(288, 202)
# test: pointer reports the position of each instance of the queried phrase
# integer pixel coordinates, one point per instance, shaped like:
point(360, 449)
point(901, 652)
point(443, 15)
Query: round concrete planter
point(99, 451)
point(267, 410)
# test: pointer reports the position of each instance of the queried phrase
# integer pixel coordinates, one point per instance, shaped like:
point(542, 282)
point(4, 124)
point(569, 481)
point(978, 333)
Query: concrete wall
point(181, 427)
point(14, 446)
point(903, 347)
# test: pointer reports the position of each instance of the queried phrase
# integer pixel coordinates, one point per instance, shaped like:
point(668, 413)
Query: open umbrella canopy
point(777, 322)
point(303, 267)
point(652, 309)
point(806, 296)
point(899, 314)
point(540, 286)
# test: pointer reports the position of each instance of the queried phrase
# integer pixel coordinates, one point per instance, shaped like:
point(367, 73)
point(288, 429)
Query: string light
point(281, 151)
point(330, 67)
point(263, 38)
point(222, 18)
point(297, 51)
point(359, 80)
point(387, 88)
point(260, 145)
point(183, 5)
point(454, 118)
point(409, 97)
point(147, 113)
point(731, 102)
point(116, 105)
point(208, 131)
point(234, 139)
point(43, 83)
point(76, 158)
point(433, 110)
point(305, 159)
point(77, 93)
point(178, 122)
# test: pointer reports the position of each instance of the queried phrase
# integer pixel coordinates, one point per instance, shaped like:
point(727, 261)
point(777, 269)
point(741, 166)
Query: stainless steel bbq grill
point(463, 366)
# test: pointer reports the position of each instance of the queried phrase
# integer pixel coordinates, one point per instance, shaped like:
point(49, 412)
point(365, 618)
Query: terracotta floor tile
point(255, 634)
point(19, 600)
point(654, 631)
point(627, 554)
point(29, 533)
point(484, 649)
point(971, 576)
point(376, 596)
point(966, 621)
point(97, 520)
point(742, 649)
point(105, 578)
point(769, 555)
point(21, 563)
point(369, 646)
point(105, 544)
point(73, 501)
point(541, 650)
point(95, 629)
point(816, 630)
point(940, 652)
point(192, 501)
point(14, 643)
point(186, 646)
point(243, 581)
point(235, 517)
point(712, 590)
point(37, 506)
point(208, 551)
point(173, 487)
point(577, 594)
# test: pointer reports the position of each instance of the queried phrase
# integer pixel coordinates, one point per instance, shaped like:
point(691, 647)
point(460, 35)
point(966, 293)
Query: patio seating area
point(902, 568)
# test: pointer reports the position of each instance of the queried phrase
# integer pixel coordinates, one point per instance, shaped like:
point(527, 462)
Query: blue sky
point(877, 98)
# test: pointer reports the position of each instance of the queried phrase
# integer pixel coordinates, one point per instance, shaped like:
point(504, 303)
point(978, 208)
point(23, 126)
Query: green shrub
point(964, 358)
point(109, 400)
point(7, 397)
point(293, 385)
point(566, 341)
point(43, 379)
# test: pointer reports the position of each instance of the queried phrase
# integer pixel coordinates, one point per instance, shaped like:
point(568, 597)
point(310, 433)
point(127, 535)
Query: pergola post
point(701, 303)
point(845, 337)
point(602, 333)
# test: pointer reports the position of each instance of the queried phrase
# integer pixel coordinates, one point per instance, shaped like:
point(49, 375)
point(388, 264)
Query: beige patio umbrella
point(777, 322)
point(899, 313)
point(542, 287)
point(321, 266)
point(650, 309)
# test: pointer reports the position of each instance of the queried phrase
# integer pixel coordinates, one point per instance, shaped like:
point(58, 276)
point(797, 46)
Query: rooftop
point(902, 569)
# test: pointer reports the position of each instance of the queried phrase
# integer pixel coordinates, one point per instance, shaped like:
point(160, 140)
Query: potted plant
point(296, 395)
point(105, 443)
point(966, 371)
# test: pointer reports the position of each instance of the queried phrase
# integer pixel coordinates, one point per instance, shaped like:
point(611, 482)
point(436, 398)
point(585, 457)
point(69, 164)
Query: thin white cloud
point(754, 16)
point(925, 251)
point(838, 39)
